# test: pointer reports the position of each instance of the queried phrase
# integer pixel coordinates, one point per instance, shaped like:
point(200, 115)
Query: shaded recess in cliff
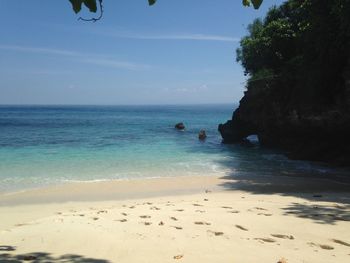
point(298, 91)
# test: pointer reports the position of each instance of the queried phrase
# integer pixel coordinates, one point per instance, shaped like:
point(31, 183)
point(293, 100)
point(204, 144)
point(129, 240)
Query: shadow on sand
point(323, 201)
point(324, 191)
point(41, 257)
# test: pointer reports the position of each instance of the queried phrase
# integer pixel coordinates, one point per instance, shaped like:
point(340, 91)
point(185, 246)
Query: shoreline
point(62, 184)
point(133, 188)
point(105, 190)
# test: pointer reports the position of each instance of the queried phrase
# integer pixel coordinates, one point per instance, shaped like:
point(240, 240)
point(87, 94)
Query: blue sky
point(176, 52)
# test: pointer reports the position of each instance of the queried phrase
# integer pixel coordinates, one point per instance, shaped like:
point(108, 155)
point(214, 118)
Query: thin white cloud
point(197, 37)
point(39, 50)
point(187, 89)
point(78, 57)
point(116, 64)
point(183, 36)
point(122, 32)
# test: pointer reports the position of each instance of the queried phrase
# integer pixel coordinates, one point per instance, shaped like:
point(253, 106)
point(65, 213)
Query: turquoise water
point(54, 144)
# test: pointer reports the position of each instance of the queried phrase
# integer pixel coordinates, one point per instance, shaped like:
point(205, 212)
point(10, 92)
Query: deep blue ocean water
point(45, 145)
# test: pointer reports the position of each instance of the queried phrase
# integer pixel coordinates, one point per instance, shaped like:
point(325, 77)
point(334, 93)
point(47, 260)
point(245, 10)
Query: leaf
point(91, 4)
point(152, 2)
point(76, 4)
point(256, 3)
point(246, 2)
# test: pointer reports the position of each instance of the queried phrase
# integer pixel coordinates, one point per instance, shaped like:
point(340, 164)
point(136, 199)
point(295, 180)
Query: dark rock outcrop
point(180, 126)
point(306, 127)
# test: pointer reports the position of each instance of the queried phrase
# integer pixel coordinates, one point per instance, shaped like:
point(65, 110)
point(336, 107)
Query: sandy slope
point(209, 224)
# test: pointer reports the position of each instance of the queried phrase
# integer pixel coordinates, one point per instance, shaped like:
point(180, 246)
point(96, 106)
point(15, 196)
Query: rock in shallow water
point(180, 126)
point(202, 135)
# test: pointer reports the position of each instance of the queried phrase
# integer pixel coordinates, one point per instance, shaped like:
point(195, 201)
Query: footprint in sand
point(122, 220)
point(21, 224)
point(264, 214)
point(197, 205)
point(124, 214)
point(155, 208)
point(266, 239)
point(131, 207)
point(227, 207)
point(95, 218)
point(177, 227)
point(145, 216)
point(102, 211)
point(326, 247)
point(205, 199)
point(179, 210)
point(147, 203)
point(341, 242)
point(147, 223)
point(202, 223)
point(173, 218)
point(216, 233)
point(161, 223)
point(233, 211)
point(260, 208)
point(200, 211)
point(241, 228)
point(283, 236)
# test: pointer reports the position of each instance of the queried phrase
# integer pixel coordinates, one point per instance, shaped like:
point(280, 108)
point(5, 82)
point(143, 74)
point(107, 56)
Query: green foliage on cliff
point(304, 44)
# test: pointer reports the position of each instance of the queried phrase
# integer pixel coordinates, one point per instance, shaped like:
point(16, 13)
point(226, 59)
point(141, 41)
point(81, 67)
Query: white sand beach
point(184, 219)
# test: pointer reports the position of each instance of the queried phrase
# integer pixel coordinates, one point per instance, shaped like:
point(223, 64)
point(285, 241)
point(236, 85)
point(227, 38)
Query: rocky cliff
point(283, 119)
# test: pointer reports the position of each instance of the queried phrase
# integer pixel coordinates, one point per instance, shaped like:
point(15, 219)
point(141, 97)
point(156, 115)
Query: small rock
point(180, 126)
point(178, 257)
point(202, 135)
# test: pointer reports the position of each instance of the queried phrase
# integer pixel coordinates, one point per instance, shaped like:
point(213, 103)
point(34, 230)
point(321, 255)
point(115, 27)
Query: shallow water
point(45, 145)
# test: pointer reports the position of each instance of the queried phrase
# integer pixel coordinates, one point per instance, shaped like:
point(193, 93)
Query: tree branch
point(94, 19)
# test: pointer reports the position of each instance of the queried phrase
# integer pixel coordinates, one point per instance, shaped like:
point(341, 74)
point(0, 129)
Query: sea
point(49, 145)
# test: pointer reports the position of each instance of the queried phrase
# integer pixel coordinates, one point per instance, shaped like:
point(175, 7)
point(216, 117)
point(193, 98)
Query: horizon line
point(152, 104)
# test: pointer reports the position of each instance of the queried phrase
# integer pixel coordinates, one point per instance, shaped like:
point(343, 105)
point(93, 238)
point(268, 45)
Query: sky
point(175, 52)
